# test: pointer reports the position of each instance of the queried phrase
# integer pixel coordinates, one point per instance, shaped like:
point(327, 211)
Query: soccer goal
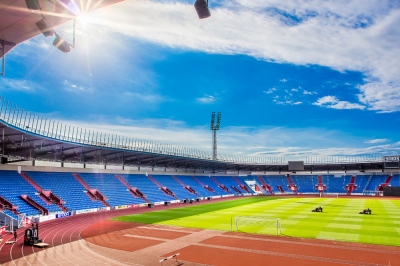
point(257, 224)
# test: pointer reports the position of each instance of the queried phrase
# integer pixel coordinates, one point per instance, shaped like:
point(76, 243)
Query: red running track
point(63, 231)
point(64, 235)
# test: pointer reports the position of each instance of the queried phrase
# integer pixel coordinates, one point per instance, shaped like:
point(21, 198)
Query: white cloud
point(306, 92)
point(283, 80)
point(143, 97)
point(19, 85)
point(73, 87)
point(266, 142)
point(374, 141)
point(380, 97)
point(334, 103)
point(208, 99)
point(288, 102)
point(38, 44)
point(302, 152)
point(269, 91)
point(331, 37)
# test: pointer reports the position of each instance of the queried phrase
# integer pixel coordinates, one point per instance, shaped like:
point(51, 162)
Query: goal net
point(257, 224)
point(329, 195)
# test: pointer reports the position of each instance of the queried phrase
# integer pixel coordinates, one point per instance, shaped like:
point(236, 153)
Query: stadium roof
point(21, 20)
point(28, 137)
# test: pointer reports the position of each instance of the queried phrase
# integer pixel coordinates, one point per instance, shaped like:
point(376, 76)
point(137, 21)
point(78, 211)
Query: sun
point(83, 19)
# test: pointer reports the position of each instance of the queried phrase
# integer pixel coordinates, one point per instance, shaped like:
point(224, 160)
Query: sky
point(292, 78)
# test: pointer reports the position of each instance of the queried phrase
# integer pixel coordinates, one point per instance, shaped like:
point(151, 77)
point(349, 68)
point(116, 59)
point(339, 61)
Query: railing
point(363, 158)
point(32, 123)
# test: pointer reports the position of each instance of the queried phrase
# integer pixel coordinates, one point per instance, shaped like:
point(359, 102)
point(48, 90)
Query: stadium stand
point(335, 184)
point(376, 181)
point(320, 186)
point(351, 184)
point(187, 188)
point(114, 191)
point(277, 182)
point(292, 186)
point(67, 188)
point(13, 186)
point(198, 187)
point(362, 182)
point(11, 214)
point(243, 186)
point(224, 185)
point(164, 189)
point(133, 190)
point(46, 195)
point(395, 181)
point(144, 184)
point(232, 184)
point(305, 184)
point(204, 185)
point(208, 181)
point(179, 191)
point(265, 186)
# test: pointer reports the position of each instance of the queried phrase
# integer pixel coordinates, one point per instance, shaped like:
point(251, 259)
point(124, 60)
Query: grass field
point(339, 221)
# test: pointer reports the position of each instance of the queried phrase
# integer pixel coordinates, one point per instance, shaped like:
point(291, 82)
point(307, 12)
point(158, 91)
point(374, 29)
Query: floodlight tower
point(214, 127)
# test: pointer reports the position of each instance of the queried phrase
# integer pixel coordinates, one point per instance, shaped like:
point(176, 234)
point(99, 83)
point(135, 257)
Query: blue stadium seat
point(65, 186)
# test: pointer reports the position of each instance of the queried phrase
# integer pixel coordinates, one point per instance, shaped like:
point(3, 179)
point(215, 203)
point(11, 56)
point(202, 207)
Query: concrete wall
point(90, 168)
point(44, 166)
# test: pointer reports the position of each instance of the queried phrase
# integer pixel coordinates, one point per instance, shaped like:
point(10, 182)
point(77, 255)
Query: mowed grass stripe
point(191, 210)
point(378, 230)
point(339, 221)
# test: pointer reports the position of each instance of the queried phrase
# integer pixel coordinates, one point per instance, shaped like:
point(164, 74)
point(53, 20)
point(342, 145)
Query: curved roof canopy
point(21, 20)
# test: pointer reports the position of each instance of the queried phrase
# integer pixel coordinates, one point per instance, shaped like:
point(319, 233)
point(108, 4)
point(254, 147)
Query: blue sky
point(292, 78)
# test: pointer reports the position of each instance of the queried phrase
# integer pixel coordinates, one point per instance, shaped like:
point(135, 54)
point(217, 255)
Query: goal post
point(249, 223)
point(329, 195)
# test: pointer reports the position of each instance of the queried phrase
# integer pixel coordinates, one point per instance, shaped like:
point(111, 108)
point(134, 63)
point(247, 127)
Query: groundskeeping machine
point(31, 237)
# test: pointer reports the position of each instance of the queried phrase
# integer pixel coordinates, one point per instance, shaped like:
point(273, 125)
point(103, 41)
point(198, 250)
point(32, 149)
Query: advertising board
point(47, 218)
point(64, 214)
point(86, 211)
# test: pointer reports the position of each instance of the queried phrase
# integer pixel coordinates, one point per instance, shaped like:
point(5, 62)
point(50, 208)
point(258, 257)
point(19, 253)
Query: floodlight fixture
point(212, 120)
point(33, 5)
point(61, 44)
point(214, 126)
point(45, 27)
point(202, 9)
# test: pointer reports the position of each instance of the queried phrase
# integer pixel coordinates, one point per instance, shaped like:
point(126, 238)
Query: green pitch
point(339, 221)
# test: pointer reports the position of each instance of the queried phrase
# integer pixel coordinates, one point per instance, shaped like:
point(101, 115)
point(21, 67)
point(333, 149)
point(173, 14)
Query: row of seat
point(334, 184)
point(74, 194)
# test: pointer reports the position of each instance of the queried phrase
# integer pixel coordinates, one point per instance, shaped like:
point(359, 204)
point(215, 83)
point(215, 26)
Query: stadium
point(75, 196)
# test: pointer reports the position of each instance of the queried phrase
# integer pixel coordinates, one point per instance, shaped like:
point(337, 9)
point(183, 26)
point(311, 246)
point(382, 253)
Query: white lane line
point(147, 237)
